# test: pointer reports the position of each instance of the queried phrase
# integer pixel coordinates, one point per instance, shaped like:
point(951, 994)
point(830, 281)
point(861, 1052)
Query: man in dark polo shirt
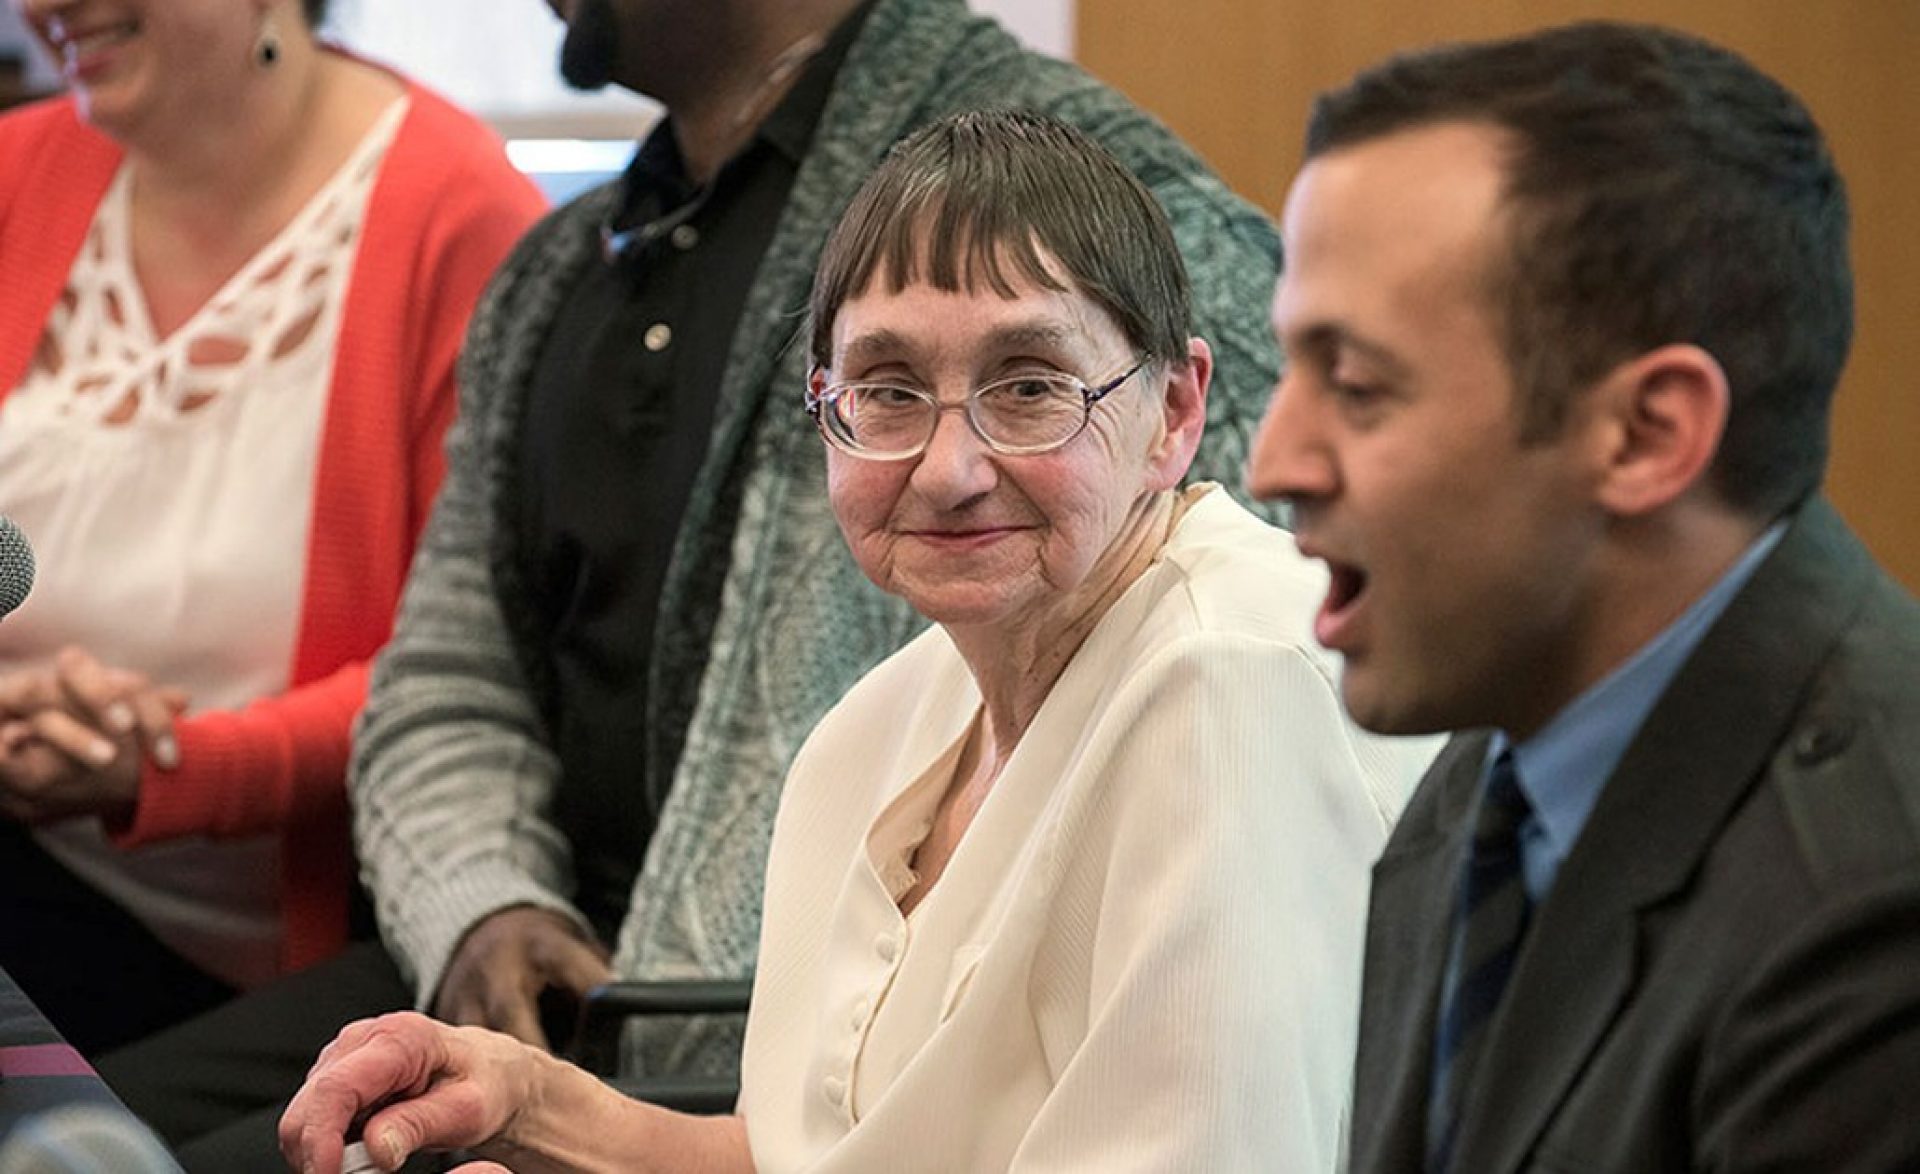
point(632, 603)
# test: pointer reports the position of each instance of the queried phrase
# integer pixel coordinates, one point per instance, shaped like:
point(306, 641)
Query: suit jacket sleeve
point(1815, 1062)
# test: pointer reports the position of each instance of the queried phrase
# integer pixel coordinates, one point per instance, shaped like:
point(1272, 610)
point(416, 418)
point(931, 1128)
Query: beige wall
point(1236, 78)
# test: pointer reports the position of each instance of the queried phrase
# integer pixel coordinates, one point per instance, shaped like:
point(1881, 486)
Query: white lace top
point(167, 486)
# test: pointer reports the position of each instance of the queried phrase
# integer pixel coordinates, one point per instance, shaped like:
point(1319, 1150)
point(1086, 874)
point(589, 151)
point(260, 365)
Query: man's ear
point(1183, 414)
point(1661, 418)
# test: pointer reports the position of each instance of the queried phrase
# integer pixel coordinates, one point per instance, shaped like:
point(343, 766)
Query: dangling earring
point(266, 47)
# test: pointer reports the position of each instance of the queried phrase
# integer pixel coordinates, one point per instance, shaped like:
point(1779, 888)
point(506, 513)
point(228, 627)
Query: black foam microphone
point(16, 566)
point(84, 1139)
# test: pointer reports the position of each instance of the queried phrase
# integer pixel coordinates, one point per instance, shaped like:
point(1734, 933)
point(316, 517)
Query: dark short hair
point(959, 201)
point(1660, 190)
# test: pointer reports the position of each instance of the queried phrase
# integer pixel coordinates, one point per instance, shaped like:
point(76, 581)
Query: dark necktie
point(1490, 916)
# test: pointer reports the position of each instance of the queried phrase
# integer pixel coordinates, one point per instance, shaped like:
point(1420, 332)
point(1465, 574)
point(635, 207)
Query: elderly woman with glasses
point(1076, 880)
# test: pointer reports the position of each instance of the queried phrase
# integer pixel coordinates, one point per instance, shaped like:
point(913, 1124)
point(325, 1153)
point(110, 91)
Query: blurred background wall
point(497, 57)
point(1236, 78)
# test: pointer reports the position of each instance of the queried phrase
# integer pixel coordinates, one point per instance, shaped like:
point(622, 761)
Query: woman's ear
point(1183, 413)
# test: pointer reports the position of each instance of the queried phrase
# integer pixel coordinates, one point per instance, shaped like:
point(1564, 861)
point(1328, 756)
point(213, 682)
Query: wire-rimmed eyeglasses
point(1020, 415)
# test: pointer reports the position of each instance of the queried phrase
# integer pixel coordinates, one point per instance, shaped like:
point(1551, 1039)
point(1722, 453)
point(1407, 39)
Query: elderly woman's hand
point(414, 1083)
point(411, 1083)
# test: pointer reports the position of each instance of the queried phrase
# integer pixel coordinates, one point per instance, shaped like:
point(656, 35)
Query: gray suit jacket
point(1726, 973)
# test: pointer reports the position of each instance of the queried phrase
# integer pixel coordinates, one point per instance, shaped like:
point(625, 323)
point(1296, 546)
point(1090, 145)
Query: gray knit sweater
point(453, 779)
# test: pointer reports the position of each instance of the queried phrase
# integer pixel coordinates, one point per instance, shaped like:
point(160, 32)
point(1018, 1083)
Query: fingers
point(517, 1013)
point(61, 731)
point(33, 779)
point(572, 964)
point(79, 706)
point(449, 1114)
point(417, 1085)
point(478, 996)
point(119, 702)
point(62, 768)
point(368, 1063)
point(497, 974)
point(72, 736)
point(97, 694)
point(154, 712)
point(102, 705)
point(23, 692)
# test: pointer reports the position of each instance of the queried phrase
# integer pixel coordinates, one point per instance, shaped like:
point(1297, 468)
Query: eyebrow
point(1335, 336)
point(1047, 334)
point(1043, 333)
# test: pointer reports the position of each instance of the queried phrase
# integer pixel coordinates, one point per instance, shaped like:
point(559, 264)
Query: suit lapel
point(1572, 977)
point(1407, 927)
point(1700, 752)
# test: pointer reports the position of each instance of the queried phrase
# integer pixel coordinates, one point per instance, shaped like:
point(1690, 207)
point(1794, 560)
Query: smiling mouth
point(975, 537)
point(75, 46)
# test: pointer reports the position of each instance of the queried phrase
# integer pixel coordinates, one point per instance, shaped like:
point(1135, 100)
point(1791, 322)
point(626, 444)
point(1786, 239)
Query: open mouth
point(1346, 588)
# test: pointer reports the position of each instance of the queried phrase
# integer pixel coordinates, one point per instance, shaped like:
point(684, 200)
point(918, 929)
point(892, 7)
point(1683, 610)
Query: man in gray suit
point(1563, 316)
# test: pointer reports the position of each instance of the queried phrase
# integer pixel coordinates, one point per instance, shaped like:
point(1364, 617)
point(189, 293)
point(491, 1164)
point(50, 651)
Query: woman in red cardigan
point(238, 266)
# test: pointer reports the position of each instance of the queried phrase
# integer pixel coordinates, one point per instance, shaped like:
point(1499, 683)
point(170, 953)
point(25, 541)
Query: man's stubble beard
point(592, 45)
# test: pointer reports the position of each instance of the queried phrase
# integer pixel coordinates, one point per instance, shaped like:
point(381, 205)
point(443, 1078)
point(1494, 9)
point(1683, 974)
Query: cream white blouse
point(1145, 952)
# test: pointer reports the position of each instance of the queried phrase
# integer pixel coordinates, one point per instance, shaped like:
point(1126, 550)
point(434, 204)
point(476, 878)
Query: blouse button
point(860, 1012)
point(684, 236)
point(887, 947)
point(658, 337)
point(836, 1090)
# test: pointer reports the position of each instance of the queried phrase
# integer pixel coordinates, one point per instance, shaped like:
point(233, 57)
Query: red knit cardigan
point(444, 211)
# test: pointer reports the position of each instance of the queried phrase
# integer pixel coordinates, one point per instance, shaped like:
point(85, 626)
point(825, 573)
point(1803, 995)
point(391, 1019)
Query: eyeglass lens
point(1028, 412)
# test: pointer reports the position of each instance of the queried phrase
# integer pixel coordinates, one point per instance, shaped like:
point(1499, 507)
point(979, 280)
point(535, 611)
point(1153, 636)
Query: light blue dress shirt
point(1563, 768)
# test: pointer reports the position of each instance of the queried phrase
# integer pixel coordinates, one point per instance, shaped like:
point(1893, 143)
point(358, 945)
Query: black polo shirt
point(619, 416)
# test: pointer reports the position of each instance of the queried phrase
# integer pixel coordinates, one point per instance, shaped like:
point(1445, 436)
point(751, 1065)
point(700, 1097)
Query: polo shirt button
point(684, 236)
point(658, 337)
